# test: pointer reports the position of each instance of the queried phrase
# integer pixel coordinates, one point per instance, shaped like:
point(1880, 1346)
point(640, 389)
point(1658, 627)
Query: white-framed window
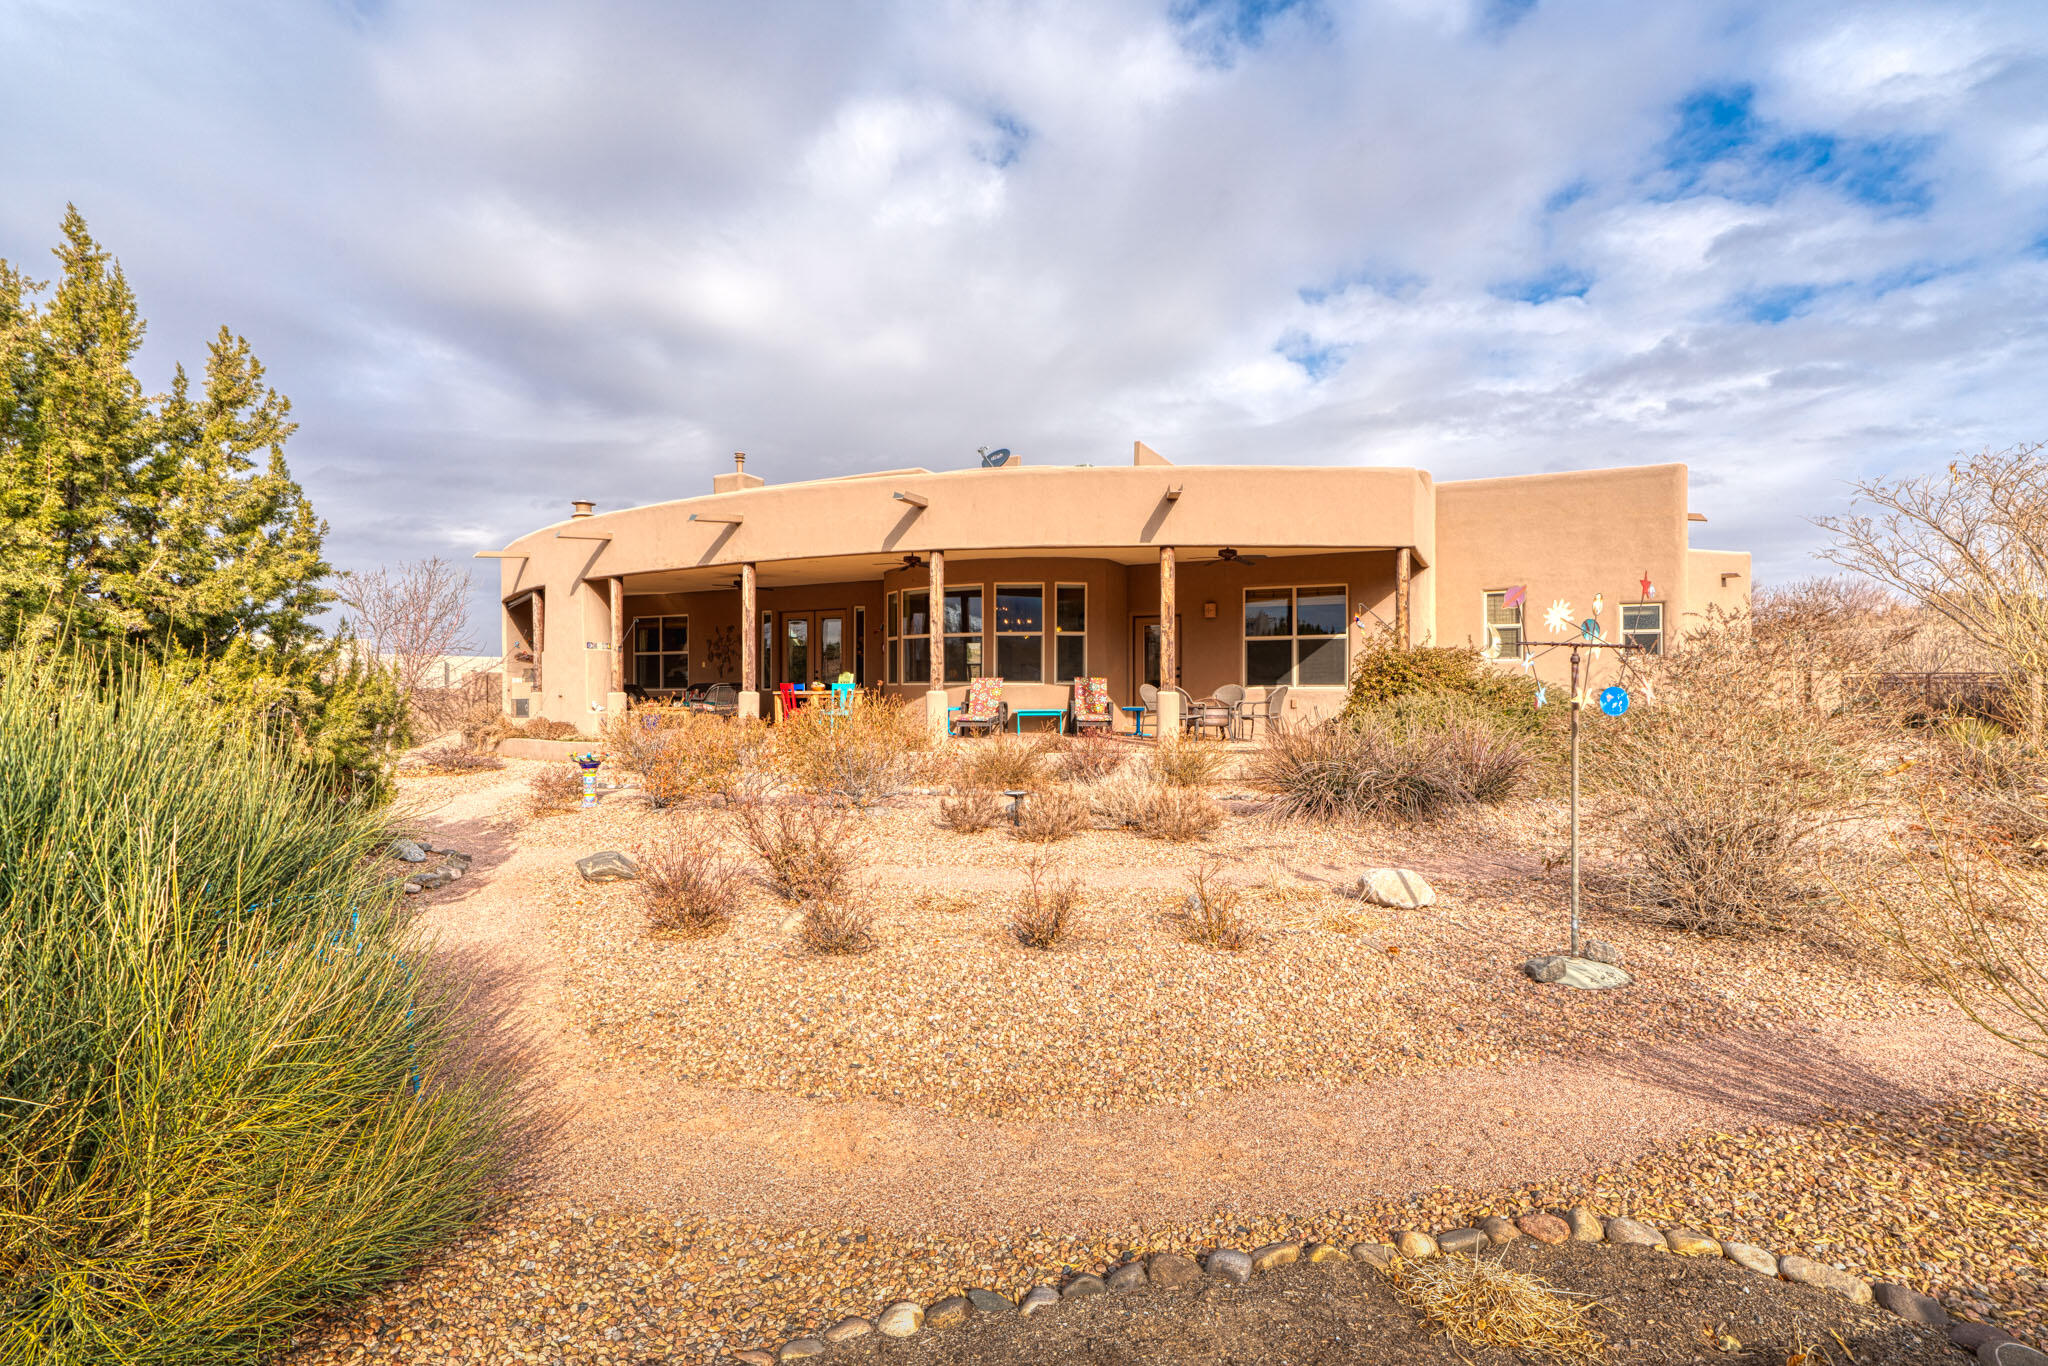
point(661, 652)
point(917, 635)
point(1503, 627)
point(1296, 636)
point(1642, 623)
point(1070, 632)
point(1020, 632)
point(892, 631)
point(963, 633)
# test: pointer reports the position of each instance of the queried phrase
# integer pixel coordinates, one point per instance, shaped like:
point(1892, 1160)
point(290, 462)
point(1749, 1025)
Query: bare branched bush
point(808, 852)
point(1045, 918)
point(690, 892)
point(553, 788)
point(694, 755)
point(1089, 760)
point(1187, 763)
point(458, 761)
point(837, 925)
point(1215, 916)
point(410, 620)
point(867, 754)
point(1004, 763)
point(971, 811)
point(1130, 799)
point(1053, 813)
point(1993, 781)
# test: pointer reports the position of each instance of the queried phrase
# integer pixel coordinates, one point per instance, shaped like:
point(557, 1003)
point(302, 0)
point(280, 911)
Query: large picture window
point(1642, 623)
point(1295, 636)
point(917, 636)
point(963, 634)
point(661, 652)
point(1020, 632)
point(1070, 632)
point(1503, 627)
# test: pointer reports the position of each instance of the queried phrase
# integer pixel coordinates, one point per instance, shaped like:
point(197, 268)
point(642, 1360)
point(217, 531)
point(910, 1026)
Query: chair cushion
point(982, 696)
point(1091, 699)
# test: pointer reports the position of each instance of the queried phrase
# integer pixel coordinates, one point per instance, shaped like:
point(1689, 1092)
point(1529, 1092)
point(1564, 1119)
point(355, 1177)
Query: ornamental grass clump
point(1478, 1303)
point(1387, 768)
point(1089, 759)
point(1003, 763)
point(233, 1092)
point(1045, 918)
point(1186, 763)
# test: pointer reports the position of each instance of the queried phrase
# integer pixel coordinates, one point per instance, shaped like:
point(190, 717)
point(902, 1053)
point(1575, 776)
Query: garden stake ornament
point(1612, 700)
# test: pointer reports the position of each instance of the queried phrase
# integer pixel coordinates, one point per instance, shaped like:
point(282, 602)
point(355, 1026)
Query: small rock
point(1629, 1233)
point(1971, 1336)
point(1805, 1271)
point(412, 889)
point(1599, 951)
point(1229, 1264)
point(409, 851)
point(801, 1349)
point(1549, 968)
point(947, 1312)
point(2010, 1353)
point(1586, 1226)
point(1751, 1256)
point(1037, 1298)
point(1909, 1304)
point(1545, 1228)
point(1396, 887)
point(608, 866)
point(1275, 1254)
point(989, 1302)
point(1466, 1240)
point(847, 1329)
point(1498, 1230)
point(1416, 1247)
point(900, 1319)
point(1083, 1286)
point(1129, 1276)
point(1171, 1270)
point(1687, 1243)
point(1324, 1252)
point(754, 1356)
point(1380, 1255)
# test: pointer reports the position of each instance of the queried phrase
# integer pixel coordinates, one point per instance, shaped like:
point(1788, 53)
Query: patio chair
point(1092, 708)
point(721, 699)
point(635, 694)
point(842, 702)
point(1231, 695)
point(1190, 716)
point(1271, 709)
point(1148, 696)
point(985, 710)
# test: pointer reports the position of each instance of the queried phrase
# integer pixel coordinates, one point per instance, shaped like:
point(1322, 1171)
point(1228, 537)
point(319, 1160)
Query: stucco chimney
point(738, 479)
point(583, 507)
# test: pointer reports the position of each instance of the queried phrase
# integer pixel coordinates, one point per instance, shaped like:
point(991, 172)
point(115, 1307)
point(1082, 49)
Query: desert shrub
point(1730, 786)
point(1045, 917)
point(1215, 916)
point(457, 761)
point(838, 924)
point(695, 755)
point(1994, 781)
point(971, 811)
point(541, 728)
point(1130, 799)
point(1089, 760)
point(553, 787)
point(690, 892)
point(1383, 673)
point(482, 722)
point(1186, 763)
point(233, 1096)
point(862, 757)
point(1053, 813)
point(1004, 763)
point(1340, 773)
point(807, 851)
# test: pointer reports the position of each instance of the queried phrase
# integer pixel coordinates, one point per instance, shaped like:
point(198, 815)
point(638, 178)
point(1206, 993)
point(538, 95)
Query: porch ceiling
point(871, 568)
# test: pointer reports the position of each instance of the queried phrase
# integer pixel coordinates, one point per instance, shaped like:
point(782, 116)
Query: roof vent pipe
point(583, 508)
point(739, 462)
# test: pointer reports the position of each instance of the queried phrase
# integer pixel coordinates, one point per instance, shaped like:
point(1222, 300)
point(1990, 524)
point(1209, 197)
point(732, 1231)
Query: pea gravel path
point(662, 1206)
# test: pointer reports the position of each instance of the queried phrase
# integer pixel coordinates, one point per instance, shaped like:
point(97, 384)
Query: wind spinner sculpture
point(1585, 640)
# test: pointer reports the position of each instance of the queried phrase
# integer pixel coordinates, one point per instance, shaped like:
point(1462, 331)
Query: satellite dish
point(993, 459)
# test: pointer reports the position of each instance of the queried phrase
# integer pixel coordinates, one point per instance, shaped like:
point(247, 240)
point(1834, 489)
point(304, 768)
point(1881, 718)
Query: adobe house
point(1205, 574)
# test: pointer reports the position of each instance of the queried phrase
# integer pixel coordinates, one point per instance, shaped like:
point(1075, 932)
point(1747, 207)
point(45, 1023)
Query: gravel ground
point(684, 1211)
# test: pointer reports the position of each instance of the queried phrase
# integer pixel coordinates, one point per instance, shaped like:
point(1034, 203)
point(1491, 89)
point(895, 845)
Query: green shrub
point(1461, 680)
point(229, 1097)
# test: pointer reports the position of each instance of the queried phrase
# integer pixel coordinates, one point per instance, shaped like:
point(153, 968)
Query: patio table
point(1058, 714)
point(1137, 717)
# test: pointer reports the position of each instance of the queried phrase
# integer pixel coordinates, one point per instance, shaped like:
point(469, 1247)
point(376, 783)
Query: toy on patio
point(1588, 645)
point(589, 763)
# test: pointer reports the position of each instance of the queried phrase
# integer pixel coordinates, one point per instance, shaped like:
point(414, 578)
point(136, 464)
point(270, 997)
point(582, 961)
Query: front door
point(1145, 650)
point(814, 647)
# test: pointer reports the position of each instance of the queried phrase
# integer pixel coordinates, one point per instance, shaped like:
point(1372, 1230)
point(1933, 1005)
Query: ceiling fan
point(1227, 555)
point(906, 562)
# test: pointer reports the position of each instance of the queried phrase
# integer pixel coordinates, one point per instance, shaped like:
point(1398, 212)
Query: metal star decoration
point(1559, 617)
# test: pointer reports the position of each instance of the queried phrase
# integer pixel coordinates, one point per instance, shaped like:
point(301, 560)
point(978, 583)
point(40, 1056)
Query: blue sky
point(504, 255)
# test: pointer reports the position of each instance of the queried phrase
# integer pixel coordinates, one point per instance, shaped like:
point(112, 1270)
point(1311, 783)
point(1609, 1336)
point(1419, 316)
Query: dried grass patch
point(1480, 1303)
point(970, 812)
point(1215, 916)
point(1090, 760)
point(690, 893)
point(837, 925)
point(1053, 813)
point(1004, 763)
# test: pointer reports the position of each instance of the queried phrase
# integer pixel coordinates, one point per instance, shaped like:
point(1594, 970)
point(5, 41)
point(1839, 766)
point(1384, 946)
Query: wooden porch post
point(1403, 569)
point(618, 634)
point(750, 633)
point(1169, 648)
point(938, 621)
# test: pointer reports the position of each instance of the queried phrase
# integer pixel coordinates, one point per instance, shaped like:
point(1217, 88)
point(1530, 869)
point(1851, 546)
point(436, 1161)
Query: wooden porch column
point(750, 633)
point(618, 634)
point(1403, 569)
point(935, 695)
point(1169, 648)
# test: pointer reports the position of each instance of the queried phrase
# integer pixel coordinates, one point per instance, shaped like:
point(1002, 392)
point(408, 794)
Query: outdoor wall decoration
point(723, 651)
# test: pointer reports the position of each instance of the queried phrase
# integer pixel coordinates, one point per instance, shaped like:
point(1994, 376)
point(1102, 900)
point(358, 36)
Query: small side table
point(1137, 718)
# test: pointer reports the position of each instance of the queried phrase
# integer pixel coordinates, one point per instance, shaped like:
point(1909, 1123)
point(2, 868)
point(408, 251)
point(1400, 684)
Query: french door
point(812, 647)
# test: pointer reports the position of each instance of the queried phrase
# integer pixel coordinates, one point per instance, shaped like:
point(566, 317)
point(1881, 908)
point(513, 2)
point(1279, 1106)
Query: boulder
point(1545, 1228)
point(801, 1349)
point(989, 1302)
point(1586, 1226)
point(1275, 1254)
point(947, 1312)
point(2010, 1353)
point(1416, 1247)
point(1227, 1263)
point(1170, 1269)
point(1083, 1286)
point(1380, 1255)
point(1805, 1271)
point(1466, 1240)
point(1751, 1256)
point(1036, 1298)
point(847, 1329)
point(608, 866)
point(1687, 1243)
point(1549, 968)
point(1129, 1276)
point(900, 1319)
point(1599, 951)
point(1396, 887)
point(1910, 1304)
point(1324, 1252)
point(409, 851)
point(1498, 1230)
point(1630, 1233)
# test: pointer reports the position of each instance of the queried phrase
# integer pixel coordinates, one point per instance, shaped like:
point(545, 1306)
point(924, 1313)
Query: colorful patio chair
point(842, 702)
point(1092, 709)
point(985, 710)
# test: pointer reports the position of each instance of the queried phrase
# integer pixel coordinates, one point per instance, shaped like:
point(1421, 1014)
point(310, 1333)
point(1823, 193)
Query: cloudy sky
point(504, 254)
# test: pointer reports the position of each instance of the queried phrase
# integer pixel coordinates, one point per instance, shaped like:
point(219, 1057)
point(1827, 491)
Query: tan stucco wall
point(1707, 589)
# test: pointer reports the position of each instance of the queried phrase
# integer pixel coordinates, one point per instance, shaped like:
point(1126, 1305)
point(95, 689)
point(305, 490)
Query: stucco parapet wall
point(1030, 508)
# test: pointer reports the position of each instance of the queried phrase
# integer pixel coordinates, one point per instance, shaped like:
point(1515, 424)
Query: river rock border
point(1579, 1224)
point(454, 863)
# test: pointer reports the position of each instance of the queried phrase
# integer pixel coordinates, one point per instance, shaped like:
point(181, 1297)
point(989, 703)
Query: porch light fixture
point(1209, 610)
point(916, 500)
